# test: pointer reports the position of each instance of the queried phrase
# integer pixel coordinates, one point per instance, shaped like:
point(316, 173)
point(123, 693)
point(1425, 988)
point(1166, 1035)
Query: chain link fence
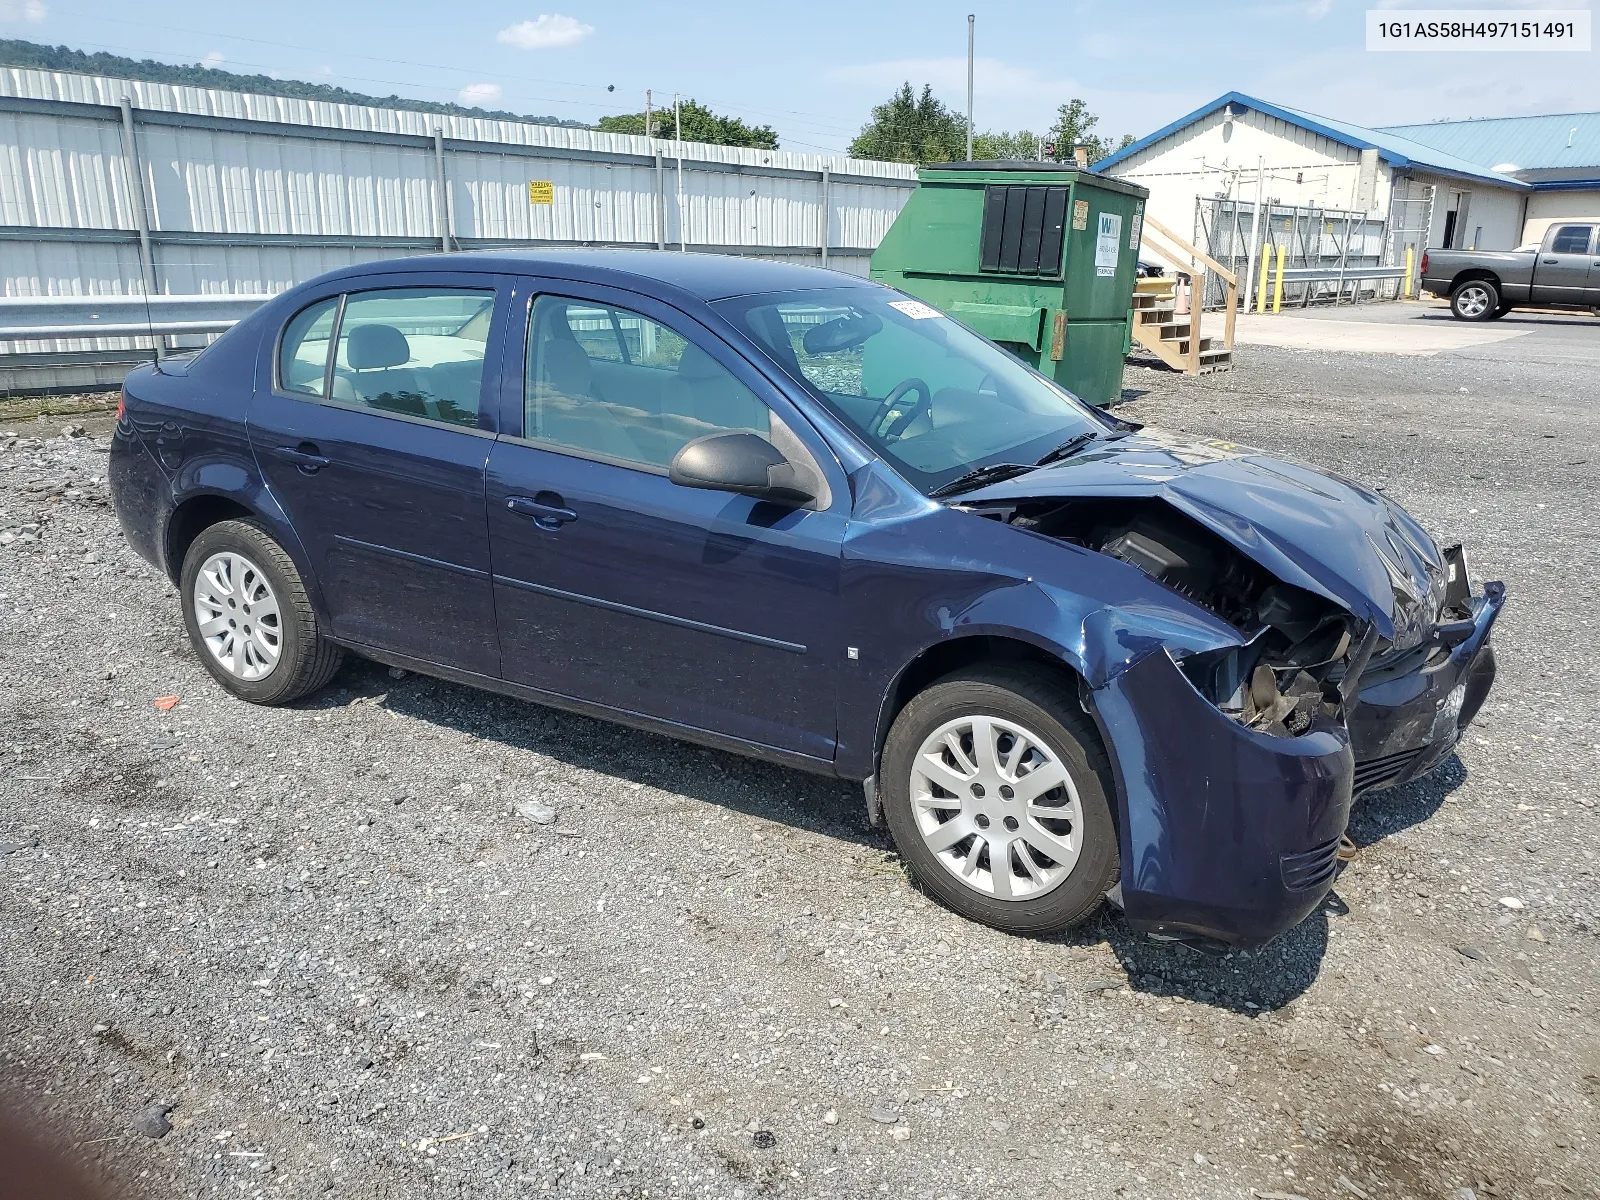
point(1328, 241)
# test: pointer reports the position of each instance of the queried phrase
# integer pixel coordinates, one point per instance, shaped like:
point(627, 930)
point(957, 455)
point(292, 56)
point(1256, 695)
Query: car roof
point(703, 276)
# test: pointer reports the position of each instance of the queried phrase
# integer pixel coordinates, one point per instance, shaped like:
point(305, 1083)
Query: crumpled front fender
point(1225, 832)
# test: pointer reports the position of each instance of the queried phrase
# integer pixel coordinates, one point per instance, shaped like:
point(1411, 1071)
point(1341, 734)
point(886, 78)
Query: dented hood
point(1312, 529)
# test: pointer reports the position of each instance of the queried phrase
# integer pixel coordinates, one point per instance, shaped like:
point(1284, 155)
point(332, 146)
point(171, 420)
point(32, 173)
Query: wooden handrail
point(1197, 286)
point(1151, 223)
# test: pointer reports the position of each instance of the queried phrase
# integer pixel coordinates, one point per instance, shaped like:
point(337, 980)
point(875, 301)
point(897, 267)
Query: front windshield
point(927, 393)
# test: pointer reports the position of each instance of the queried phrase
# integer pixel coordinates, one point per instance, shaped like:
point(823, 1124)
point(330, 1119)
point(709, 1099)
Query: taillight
point(122, 404)
point(1424, 262)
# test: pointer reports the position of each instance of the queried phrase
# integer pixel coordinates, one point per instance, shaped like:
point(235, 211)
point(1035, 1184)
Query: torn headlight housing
point(1261, 691)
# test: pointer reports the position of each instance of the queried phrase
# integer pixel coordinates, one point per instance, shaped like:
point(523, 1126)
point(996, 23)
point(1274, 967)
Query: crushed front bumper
point(1226, 834)
point(1231, 835)
point(1404, 725)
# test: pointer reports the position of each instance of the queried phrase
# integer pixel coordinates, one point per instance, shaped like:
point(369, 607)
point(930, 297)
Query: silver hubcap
point(997, 807)
point(238, 615)
point(1472, 301)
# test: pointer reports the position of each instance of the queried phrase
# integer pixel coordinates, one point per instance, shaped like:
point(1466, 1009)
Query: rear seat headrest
point(373, 346)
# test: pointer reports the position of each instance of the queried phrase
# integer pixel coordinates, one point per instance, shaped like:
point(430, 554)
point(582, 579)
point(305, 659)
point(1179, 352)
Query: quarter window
point(611, 383)
point(303, 352)
point(416, 351)
point(1571, 239)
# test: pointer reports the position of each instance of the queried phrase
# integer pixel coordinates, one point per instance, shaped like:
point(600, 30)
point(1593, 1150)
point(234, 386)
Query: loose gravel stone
point(234, 894)
point(152, 1122)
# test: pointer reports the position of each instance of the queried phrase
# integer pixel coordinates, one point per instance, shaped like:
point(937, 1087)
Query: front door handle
point(549, 513)
point(305, 457)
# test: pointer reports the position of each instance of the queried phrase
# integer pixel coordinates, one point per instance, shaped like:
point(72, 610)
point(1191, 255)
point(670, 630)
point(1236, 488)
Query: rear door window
point(414, 351)
point(303, 350)
point(1571, 239)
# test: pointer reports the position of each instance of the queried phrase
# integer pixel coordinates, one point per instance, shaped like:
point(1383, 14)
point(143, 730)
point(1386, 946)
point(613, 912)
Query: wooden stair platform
point(1162, 330)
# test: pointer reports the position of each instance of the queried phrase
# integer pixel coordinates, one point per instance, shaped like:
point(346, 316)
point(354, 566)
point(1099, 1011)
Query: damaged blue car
point(807, 518)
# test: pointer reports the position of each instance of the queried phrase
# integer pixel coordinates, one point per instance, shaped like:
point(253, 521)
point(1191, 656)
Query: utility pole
point(649, 116)
point(971, 20)
point(683, 214)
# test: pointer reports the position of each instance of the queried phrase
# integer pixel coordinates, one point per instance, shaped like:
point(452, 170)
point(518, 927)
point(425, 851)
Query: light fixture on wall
point(1227, 117)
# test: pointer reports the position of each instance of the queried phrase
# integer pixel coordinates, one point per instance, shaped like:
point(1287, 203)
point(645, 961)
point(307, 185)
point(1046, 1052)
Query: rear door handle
point(545, 515)
point(305, 457)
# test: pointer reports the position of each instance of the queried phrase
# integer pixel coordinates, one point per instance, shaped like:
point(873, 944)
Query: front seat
point(568, 410)
point(376, 356)
point(714, 401)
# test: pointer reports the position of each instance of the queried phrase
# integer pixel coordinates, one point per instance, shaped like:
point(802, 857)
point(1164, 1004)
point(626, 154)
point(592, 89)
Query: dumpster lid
point(1003, 164)
point(1024, 171)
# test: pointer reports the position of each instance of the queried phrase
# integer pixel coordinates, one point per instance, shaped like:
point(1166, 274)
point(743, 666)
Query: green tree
point(909, 129)
point(700, 124)
point(997, 144)
point(1074, 123)
point(17, 53)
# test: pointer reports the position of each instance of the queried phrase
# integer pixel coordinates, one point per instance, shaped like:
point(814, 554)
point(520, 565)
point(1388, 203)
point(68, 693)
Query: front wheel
point(1475, 300)
point(996, 789)
point(248, 616)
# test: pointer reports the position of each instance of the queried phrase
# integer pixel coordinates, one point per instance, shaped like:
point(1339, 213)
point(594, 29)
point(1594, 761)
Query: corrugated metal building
point(251, 194)
point(1557, 155)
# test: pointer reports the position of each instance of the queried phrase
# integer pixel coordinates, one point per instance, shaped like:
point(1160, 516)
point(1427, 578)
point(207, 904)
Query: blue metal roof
point(1392, 148)
point(1527, 143)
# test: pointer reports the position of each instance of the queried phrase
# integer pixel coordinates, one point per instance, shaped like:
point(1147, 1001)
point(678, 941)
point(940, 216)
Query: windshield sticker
point(915, 309)
point(1107, 244)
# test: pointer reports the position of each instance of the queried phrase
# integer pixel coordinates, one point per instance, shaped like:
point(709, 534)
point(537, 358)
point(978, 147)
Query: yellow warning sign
point(541, 191)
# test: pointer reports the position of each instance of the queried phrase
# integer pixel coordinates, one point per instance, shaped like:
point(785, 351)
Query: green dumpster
point(1038, 257)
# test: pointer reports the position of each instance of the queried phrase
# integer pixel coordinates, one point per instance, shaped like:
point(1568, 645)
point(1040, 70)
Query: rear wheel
point(996, 789)
point(1475, 300)
point(248, 616)
point(1500, 311)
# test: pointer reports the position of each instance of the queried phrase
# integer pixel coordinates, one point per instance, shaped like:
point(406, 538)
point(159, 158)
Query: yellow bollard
point(1277, 284)
point(1261, 288)
point(1405, 288)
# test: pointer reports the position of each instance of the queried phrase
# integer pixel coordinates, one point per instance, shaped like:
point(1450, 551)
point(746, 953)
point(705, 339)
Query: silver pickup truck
point(1563, 272)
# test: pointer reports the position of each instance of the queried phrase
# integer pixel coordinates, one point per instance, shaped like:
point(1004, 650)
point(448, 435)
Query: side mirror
point(742, 463)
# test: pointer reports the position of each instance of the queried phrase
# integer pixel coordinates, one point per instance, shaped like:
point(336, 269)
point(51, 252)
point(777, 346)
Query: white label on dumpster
point(915, 309)
point(1107, 244)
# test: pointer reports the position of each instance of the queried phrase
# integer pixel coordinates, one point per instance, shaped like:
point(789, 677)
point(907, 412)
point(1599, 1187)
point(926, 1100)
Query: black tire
point(306, 660)
point(1046, 706)
point(1499, 312)
point(1475, 300)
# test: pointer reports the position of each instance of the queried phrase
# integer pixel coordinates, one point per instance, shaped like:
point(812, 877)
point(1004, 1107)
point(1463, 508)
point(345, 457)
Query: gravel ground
point(327, 938)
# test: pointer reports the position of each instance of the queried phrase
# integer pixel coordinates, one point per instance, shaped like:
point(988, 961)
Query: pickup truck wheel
point(996, 789)
point(1499, 312)
point(1475, 300)
point(248, 616)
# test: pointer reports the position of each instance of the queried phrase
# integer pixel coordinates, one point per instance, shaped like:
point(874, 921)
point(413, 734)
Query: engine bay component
point(1301, 649)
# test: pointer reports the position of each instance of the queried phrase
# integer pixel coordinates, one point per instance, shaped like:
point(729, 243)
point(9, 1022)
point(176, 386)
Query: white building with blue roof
point(1428, 193)
point(1557, 155)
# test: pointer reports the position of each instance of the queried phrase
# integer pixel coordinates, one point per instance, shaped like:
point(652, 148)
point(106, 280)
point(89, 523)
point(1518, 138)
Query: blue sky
point(813, 70)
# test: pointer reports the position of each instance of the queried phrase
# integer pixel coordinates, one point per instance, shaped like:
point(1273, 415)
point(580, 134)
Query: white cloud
point(21, 12)
point(545, 32)
point(1317, 9)
point(213, 60)
point(478, 94)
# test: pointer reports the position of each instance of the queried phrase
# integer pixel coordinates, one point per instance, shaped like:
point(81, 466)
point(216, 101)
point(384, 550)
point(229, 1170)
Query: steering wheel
point(887, 408)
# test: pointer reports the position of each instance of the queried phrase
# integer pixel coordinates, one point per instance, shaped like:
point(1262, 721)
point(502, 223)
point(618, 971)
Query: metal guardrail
point(33, 317)
point(1320, 274)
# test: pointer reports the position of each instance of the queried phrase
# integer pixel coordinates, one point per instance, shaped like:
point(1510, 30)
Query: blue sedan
point(807, 518)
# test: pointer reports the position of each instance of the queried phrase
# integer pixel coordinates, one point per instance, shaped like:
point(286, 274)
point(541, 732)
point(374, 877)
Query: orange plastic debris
point(165, 703)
